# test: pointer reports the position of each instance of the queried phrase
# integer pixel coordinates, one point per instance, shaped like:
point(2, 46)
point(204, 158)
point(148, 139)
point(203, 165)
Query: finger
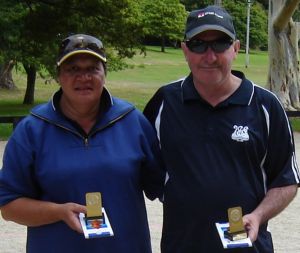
point(251, 235)
point(77, 227)
point(74, 223)
point(79, 208)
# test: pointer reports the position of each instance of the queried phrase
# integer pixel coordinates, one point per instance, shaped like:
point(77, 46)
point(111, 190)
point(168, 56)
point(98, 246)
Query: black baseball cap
point(212, 17)
point(78, 44)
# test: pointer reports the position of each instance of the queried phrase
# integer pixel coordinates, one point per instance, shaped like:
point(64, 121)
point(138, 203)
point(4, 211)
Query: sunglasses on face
point(200, 46)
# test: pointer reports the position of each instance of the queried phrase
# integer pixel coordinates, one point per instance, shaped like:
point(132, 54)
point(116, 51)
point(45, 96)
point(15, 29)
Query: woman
point(83, 140)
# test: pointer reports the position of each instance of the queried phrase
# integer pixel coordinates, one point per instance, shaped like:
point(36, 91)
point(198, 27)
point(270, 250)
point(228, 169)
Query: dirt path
point(285, 227)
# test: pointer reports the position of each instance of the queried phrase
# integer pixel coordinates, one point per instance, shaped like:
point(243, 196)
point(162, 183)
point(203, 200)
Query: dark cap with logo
point(210, 18)
point(80, 44)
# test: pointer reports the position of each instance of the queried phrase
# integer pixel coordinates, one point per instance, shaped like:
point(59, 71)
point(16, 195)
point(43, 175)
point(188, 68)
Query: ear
point(237, 46)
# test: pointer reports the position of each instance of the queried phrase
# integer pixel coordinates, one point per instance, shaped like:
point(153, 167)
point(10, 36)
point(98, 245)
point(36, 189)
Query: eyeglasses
point(200, 46)
point(78, 43)
point(82, 42)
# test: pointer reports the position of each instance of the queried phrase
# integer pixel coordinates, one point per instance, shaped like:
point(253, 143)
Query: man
point(225, 141)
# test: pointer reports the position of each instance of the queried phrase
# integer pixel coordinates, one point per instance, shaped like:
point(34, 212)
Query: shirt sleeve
point(280, 163)
point(152, 107)
point(153, 173)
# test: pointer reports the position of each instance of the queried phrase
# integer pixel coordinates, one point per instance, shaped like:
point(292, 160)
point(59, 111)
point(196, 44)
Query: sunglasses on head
point(82, 42)
point(200, 46)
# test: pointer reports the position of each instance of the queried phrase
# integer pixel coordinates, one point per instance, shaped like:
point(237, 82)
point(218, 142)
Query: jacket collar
point(114, 109)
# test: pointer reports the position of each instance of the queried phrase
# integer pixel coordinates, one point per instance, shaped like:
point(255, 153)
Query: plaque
point(95, 222)
point(93, 205)
point(236, 229)
point(96, 228)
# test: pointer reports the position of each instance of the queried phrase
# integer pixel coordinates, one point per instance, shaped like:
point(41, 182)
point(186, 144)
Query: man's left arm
point(275, 201)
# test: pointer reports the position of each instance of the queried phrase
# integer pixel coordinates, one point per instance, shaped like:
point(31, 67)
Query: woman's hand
point(33, 213)
point(69, 214)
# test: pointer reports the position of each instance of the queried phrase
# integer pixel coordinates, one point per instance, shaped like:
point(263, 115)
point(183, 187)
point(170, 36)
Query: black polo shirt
point(218, 157)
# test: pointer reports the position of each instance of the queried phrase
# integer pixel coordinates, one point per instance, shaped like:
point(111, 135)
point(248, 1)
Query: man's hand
point(274, 202)
point(251, 224)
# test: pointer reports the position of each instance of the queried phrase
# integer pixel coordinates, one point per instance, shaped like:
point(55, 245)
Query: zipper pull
point(86, 141)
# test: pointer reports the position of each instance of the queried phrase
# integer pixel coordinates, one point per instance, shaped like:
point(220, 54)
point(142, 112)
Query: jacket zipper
point(85, 138)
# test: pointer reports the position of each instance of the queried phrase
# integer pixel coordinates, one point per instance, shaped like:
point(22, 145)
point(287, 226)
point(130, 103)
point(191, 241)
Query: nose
point(84, 75)
point(210, 55)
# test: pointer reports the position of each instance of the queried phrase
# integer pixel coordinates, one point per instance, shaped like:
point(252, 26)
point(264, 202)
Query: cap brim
point(81, 51)
point(204, 28)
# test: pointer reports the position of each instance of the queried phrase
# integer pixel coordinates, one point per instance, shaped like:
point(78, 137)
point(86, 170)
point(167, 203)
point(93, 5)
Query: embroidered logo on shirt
point(240, 133)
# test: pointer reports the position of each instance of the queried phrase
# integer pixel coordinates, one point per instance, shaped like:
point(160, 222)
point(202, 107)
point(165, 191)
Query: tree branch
point(285, 14)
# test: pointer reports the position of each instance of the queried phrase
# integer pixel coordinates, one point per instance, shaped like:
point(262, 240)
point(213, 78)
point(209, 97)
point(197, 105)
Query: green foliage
point(296, 16)
point(136, 84)
point(258, 35)
point(295, 122)
point(5, 131)
point(33, 29)
point(196, 4)
point(11, 26)
point(163, 19)
point(258, 27)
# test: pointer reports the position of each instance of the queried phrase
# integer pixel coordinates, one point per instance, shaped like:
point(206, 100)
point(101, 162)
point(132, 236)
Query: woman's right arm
point(31, 212)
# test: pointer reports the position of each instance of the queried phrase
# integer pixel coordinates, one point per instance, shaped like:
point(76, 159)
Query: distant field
point(136, 84)
point(156, 69)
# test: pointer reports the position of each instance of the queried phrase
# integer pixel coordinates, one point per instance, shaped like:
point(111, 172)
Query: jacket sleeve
point(17, 174)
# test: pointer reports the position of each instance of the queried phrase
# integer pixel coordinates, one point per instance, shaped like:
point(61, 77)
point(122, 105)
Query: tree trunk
point(31, 76)
point(283, 53)
point(163, 44)
point(6, 80)
point(297, 27)
point(218, 2)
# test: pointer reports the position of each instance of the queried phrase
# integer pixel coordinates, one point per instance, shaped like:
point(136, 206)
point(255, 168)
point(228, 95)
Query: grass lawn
point(136, 84)
point(156, 69)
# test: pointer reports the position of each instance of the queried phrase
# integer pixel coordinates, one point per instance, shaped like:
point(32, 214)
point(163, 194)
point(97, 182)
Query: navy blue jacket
point(47, 158)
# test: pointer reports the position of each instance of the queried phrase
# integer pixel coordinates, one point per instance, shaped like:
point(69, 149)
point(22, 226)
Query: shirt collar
point(242, 96)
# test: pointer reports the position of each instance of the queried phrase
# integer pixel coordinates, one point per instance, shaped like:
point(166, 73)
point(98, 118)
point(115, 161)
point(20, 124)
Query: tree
point(196, 4)
point(34, 29)
point(10, 27)
point(6, 80)
point(283, 75)
point(164, 19)
point(238, 8)
point(258, 25)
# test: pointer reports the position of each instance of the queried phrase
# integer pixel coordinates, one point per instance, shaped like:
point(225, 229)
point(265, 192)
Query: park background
point(31, 30)
point(137, 83)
